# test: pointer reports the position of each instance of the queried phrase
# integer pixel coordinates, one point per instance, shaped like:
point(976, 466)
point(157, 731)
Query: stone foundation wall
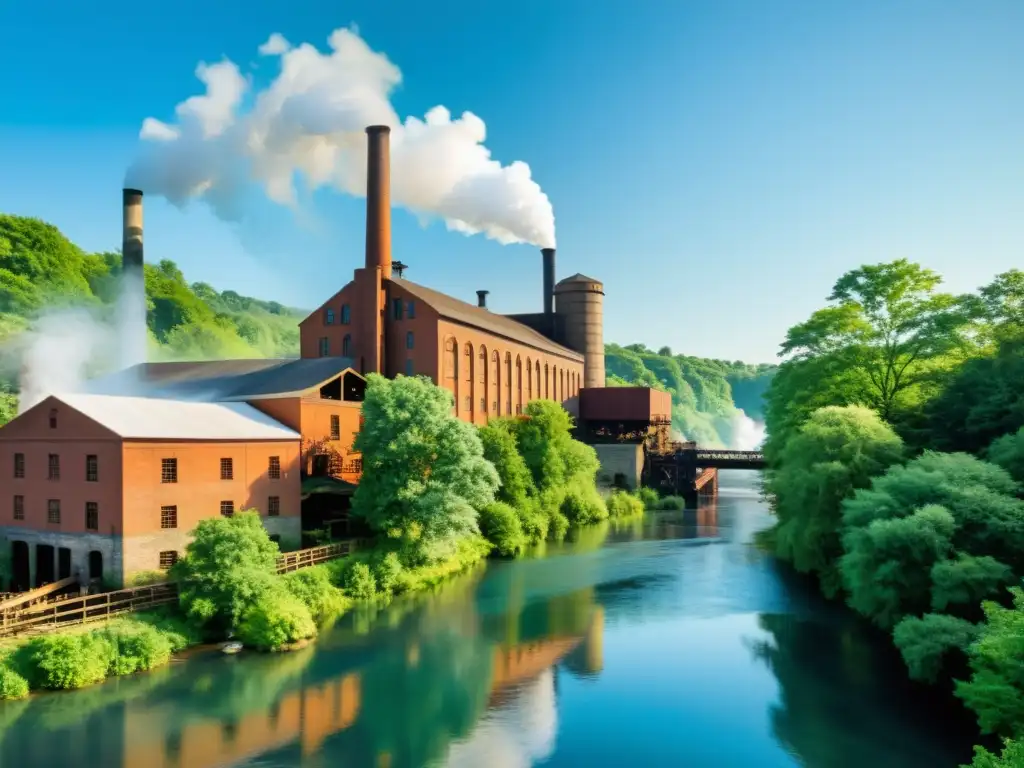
point(80, 544)
point(626, 458)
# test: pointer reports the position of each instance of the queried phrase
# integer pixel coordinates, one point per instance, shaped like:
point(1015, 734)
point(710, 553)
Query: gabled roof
point(147, 418)
point(226, 379)
point(485, 320)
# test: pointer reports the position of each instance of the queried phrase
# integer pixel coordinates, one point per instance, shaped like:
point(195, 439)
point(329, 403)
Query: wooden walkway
point(24, 614)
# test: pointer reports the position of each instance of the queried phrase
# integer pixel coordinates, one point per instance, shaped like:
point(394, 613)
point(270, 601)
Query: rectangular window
point(397, 308)
point(410, 341)
point(408, 367)
point(168, 517)
point(410, 310)
point(168, 559)
point(328, 317)
point(92, 516)
point(227, 508)
point(53, 418)
point(467, 404)
point(494, 406)
point(325, 346)
point(19, 465)
point(53, 511)
point(54, 466)
point(274, 506)
point(227, 469)
point(346, 314)
point(92, 469)
point(168, 470)
point(274, 470)
point(335, 427)
point(483, 404)
point(19, 507)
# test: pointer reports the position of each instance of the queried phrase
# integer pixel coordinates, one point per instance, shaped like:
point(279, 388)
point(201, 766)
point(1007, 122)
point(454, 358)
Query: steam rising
point(309, 122)
point(65, 348)
point(747, 434)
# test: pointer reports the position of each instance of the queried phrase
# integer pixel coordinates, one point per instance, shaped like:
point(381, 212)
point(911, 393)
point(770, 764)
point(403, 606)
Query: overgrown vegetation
point(895, 459)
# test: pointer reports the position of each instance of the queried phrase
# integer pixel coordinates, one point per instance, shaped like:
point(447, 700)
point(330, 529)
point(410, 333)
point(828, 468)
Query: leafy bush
point(275, 620)
point(136, 647)
point(387, 573)
point(1012, 756)
point(63, 661)
point(925, 642)
point(313, 587)
point(648, 497)
point(671, 503)
point(145, 578)
point(359, 582)
point(12, 685)
point(621, 504)
point(582, 504)
point(1008, 452)
point(228, 566)
point(500, 525)
point(996, 689)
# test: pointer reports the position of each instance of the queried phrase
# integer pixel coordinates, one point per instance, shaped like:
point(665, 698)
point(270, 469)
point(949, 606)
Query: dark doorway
point(44, 564)
point(63, 563)
point(95, 565)
point(21, 578)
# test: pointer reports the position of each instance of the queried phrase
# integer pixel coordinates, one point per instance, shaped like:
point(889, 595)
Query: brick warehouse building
point(107, 511)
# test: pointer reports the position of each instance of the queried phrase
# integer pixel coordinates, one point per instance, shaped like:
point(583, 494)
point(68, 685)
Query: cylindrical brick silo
point(579, 304)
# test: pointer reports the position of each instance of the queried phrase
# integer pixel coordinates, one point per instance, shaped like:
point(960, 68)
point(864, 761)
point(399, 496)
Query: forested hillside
point(705, 393)
point(40, 269)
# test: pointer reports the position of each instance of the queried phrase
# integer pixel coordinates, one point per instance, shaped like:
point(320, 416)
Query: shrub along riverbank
point(440, 495)
point(927, 545)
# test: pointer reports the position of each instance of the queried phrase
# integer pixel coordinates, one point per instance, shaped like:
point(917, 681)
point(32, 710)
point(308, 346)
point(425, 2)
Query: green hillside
point(705, 393)
point(41, 269)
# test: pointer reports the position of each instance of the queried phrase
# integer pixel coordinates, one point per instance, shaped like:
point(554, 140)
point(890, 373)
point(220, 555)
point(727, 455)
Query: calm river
point(668, 642)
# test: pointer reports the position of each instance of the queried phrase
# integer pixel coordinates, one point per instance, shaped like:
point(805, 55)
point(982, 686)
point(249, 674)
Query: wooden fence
point(66, 611)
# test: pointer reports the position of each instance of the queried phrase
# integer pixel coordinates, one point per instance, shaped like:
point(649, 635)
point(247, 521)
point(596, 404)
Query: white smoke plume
point(309, 122)
point(65, 348)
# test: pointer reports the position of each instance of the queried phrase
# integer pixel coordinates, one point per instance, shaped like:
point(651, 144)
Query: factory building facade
point(492, 364)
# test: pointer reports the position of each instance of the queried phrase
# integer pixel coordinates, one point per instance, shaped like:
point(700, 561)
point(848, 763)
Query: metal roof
point(485, 320)
point(226, 379)
point(149, 418)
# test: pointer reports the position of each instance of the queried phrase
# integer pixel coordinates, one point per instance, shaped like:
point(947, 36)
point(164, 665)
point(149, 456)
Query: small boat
point(231, 647)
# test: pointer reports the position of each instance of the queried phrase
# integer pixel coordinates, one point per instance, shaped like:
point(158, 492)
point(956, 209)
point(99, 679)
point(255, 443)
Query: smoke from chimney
point(548, 255)
point(309, 122)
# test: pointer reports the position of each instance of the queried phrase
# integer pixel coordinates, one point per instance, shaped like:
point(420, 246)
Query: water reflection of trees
point(841, 689)
point(394, 686)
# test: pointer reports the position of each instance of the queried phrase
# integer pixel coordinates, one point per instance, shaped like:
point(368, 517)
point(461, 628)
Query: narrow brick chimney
point(378, 199)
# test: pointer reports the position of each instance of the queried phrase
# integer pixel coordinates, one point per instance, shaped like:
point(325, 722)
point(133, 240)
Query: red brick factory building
point(109, 483)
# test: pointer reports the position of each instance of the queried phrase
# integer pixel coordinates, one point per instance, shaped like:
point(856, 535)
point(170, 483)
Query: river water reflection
point(666, 642)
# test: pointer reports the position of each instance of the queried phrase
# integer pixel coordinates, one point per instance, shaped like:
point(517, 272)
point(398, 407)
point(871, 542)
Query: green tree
point(1008, 452)
point(996, 689)
point(835, 452)
point(424, 471)
point(229, 565)
point(941, 532)
point(1012, 756)
point(890, 325)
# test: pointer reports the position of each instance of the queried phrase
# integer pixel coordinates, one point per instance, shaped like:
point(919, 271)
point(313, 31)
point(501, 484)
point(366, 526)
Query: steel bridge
point(687, 470)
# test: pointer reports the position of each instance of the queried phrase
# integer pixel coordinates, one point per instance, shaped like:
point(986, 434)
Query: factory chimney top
point(549, 280)
point(378, 199)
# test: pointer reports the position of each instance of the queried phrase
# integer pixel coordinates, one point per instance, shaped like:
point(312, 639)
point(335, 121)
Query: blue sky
point(717, 164)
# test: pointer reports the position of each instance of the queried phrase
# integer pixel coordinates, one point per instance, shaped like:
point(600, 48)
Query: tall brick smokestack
point(549, 280)
point(131, 239)
point(378, 199)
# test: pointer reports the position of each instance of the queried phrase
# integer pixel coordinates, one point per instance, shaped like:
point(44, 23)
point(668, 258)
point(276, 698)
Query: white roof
point(161, 419)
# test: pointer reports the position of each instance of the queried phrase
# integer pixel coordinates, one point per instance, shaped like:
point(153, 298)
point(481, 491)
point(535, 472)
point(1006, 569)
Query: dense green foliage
point(424, 471)
point(834, 452)
point(925, 548)
point(705, 393)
